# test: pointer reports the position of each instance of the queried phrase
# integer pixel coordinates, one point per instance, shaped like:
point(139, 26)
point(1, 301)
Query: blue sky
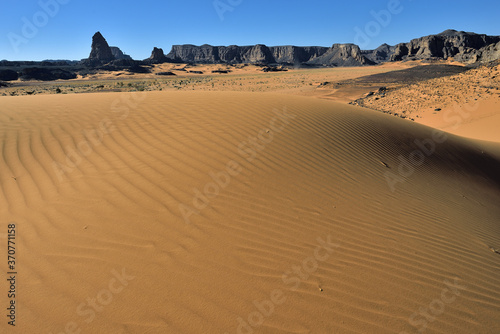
point(62, 29)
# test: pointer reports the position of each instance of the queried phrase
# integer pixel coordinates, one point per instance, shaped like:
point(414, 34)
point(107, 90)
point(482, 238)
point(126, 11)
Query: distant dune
point(225, 212)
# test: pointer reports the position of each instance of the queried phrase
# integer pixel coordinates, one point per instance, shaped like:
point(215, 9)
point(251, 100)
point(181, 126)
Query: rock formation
point(46, 74)
point(381, 54)
point(100, 52)
point(342, 55)
point(118, 54)
point(462, 46)
point(257, 54)
point(194, 54)
point(489, 53)
point(337, 55)
point(100, 49)
point(8, 75)
point(157, 57)
point(296, 55)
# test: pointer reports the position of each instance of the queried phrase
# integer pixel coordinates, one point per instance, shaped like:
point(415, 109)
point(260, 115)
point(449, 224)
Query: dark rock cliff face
point(157, 57)
point(100, 49)
point(46, 74)
point(118, 54)
point(342, 55)
point(463, 46)
point(194, 54)
point(221, 54)
point(258, 54)
point(337, 55)
point(381, 54)
point(489, 53)
point(8, 75)
point(104, 57)
point(296, 55)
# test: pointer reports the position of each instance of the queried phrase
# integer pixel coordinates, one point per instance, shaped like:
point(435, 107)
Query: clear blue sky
point(137, 26)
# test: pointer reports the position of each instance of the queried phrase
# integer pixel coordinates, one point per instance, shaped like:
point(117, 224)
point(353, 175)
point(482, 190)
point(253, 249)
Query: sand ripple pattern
point(116, 205)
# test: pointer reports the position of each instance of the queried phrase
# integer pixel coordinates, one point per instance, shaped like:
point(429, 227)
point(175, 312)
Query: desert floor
point(253, 203)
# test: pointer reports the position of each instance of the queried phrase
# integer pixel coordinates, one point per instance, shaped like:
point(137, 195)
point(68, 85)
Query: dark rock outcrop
point(118, 54)
point(55, 63)
point(8, 75)
point(100, 49)
point(381, 54)
point(136, 68)
point(257, 54)
point(337, 55)
point(489, 53)
point(122, 63)
point(465, 47)
point(194, 54)
point(232, 54)
point(165, 73)
point(462, 46)
point(104, 57)
point(342, 55)
point(46, 74)
point(274, 69)
point(296, 55)
point(157, 57)
point(100, 53)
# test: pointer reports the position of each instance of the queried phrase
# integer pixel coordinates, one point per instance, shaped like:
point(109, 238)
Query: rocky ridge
point(462, 46)
point(337, 55)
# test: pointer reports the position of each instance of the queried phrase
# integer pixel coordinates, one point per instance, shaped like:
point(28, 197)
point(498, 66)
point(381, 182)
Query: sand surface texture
point(226, 212)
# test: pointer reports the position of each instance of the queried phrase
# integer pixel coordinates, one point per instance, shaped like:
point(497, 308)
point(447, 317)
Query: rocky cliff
point(107, 57)
point(221, 54)
point(296, 55)
point(381, 54)
point(100, 51)
point(489, 53)
point(337, 55)
point(462, 46)
point(118, 54)
point(157, 57)
point(342, 55)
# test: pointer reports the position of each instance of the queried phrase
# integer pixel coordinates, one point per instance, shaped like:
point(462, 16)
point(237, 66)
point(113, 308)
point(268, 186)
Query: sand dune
point(217, 212)
point(466, 104)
